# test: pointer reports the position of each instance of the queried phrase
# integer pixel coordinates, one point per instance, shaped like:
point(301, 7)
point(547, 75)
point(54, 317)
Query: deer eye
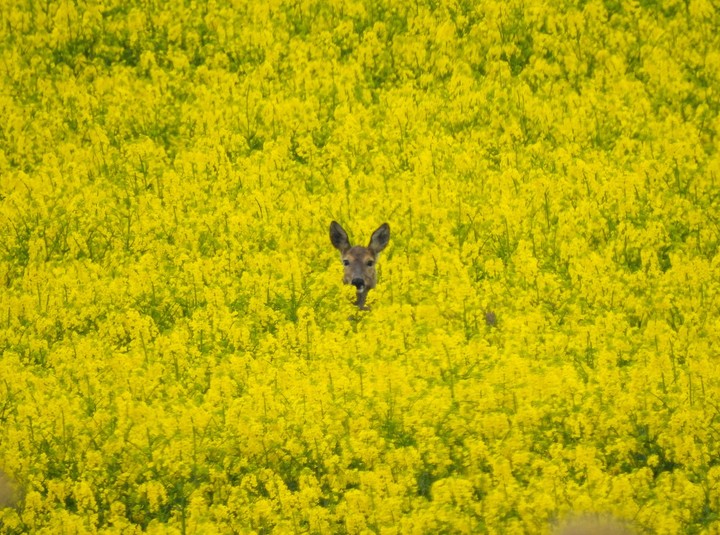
point(370, 263)
point(346, 262)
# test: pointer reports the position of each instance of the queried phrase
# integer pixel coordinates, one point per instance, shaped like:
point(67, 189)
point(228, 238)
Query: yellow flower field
point(179, 354)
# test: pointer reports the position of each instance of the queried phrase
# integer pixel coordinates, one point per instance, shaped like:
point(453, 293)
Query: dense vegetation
point(179, 354)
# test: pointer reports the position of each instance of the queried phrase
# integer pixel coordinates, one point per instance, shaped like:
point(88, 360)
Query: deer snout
point(358, 283)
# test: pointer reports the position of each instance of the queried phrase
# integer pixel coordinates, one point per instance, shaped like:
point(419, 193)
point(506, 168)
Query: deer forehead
point(359, 254)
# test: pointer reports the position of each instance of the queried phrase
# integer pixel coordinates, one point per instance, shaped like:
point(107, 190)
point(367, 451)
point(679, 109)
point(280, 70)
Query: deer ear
point(339, 237)
point(380, 238)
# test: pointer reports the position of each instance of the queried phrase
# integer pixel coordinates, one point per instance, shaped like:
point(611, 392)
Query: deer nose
point(358, 283)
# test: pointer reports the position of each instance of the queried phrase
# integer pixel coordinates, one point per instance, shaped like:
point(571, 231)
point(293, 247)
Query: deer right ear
point(380, 238)
point(339, 237)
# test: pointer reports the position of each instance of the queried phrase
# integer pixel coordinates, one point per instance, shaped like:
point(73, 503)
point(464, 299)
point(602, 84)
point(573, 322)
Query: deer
point(358, 261)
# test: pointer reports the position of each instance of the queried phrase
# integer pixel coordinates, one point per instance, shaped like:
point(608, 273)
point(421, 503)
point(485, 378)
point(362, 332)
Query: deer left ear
point(380, 238)
point(339, 237)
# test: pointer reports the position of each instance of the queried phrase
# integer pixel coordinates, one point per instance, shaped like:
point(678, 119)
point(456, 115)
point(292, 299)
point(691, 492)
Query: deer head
point(359, 261)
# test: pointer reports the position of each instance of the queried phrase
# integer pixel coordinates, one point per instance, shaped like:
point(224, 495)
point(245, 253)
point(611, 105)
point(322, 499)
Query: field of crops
point(179, 354)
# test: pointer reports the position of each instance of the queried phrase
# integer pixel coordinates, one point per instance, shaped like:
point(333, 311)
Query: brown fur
point(358, 261)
